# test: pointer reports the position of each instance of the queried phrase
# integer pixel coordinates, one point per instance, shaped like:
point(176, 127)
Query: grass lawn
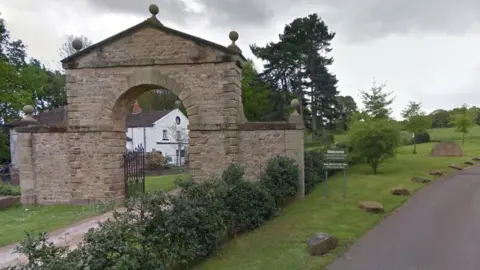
point(165, 182)
point(16, 220)
point(280, 243)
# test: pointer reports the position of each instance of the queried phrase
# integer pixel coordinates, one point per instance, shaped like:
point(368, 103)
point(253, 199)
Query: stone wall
point(82, 162)
point(43, 165)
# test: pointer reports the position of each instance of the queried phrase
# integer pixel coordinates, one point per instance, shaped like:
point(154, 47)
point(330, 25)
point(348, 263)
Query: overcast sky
point(426, 50)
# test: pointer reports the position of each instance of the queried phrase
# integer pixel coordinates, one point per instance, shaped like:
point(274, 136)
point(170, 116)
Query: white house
point(165, 131)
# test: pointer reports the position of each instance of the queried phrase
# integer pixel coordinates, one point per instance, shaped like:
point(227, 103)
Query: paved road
point(438, 229)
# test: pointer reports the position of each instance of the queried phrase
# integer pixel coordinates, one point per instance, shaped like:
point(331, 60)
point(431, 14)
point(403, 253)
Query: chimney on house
point(136, 107)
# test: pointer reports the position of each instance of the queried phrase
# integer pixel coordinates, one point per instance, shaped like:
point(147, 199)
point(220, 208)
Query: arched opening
point(156, 138)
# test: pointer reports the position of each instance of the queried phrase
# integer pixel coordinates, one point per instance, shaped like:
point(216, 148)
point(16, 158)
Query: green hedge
point(160, 231)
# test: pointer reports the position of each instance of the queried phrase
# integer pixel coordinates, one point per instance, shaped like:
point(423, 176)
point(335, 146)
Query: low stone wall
point(8, 201)
point(259, 142)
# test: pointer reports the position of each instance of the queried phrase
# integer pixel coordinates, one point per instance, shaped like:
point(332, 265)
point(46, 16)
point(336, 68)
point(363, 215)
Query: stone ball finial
point(233, 35)
point(177, 104)
point(153, 9)
point(28, 109)
point(77, 44)
point(295, 104)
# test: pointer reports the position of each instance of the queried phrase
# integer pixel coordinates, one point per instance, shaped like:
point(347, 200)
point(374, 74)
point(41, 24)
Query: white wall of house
point(162, 135)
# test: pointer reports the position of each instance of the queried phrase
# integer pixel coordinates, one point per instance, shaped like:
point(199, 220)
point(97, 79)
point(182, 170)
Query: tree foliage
point(463, 121)
point(298, 64)
point(256, 94)
point(417, 122)
point(377, 102)
point(346, 107)
point(24, 81)
point(373, 141)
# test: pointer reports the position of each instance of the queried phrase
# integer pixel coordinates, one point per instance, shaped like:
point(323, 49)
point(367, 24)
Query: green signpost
point(336, 159)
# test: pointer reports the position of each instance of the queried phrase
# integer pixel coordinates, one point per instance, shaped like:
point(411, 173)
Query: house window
point(165, 138)
point(179, 135)
point(182, 153)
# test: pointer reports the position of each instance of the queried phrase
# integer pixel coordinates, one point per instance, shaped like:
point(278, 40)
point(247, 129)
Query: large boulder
point(446, 149)
point(321, 243)
point(371, 207)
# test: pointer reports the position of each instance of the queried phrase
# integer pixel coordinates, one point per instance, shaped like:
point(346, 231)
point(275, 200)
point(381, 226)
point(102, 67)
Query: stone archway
point(104, 78)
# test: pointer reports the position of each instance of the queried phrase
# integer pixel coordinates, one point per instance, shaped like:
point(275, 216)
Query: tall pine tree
point(298, 63)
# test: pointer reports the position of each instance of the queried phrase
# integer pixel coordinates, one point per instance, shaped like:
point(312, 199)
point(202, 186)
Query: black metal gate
point(134, 167)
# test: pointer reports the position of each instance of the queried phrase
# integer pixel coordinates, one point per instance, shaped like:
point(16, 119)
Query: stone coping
point(249, 126)
point(252, 126)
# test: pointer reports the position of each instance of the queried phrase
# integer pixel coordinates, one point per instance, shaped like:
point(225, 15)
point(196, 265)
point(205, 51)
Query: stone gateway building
point(81, 162)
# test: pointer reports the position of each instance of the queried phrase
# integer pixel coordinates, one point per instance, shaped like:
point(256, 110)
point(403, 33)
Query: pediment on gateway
point(151, 43)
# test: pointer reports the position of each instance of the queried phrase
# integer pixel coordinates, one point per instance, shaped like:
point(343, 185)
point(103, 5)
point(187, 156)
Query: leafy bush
point(160, 231)
point(155, 160)
point(423, 137)
point(250, 205)
point(374, 141)
point(405, 138)
point(314, 172)
point(6, 190)
point(233, 174)
point(280, 178)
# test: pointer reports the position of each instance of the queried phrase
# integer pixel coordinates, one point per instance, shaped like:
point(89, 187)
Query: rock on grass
point(400, 191)
point(421, 180)
point(455, 167)
point(321, 243)
point(371, 207)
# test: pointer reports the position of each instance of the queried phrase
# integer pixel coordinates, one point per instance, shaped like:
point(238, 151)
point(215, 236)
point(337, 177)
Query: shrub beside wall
point(160, 231)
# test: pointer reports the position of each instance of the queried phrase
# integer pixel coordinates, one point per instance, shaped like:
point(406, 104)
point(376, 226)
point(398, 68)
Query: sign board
point(335, 166)
point(336, 159)
point(335, 155)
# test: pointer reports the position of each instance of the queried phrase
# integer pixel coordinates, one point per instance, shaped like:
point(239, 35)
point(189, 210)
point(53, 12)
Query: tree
point(67, 48)
point(377, 102)
point(255, 94)
point(463, 121)
point(298, 63)
point(345, 109)
point(373, 141)
point(440, 119)
point(416, 121)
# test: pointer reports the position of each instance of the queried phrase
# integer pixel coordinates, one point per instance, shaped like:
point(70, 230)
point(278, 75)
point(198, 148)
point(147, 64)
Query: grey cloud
point(378, 18)
point(353, 20)
point(218, 12)
point(172, 10)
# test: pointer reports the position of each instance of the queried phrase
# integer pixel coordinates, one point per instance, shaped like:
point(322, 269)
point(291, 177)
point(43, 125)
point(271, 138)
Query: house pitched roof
point(55, 117)
point(156, 24)
point(144, 119)
point(58, 117)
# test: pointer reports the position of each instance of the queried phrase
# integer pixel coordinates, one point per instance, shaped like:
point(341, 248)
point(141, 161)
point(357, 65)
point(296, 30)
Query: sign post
point(336, 159)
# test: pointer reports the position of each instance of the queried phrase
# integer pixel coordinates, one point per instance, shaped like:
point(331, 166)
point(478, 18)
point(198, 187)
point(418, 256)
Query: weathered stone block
point(321, 243)
point(420, 180)
point(371, 207)
point(400, 191)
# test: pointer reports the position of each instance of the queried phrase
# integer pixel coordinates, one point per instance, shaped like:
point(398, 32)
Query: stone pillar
point(26, 159)
point(294, 143)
